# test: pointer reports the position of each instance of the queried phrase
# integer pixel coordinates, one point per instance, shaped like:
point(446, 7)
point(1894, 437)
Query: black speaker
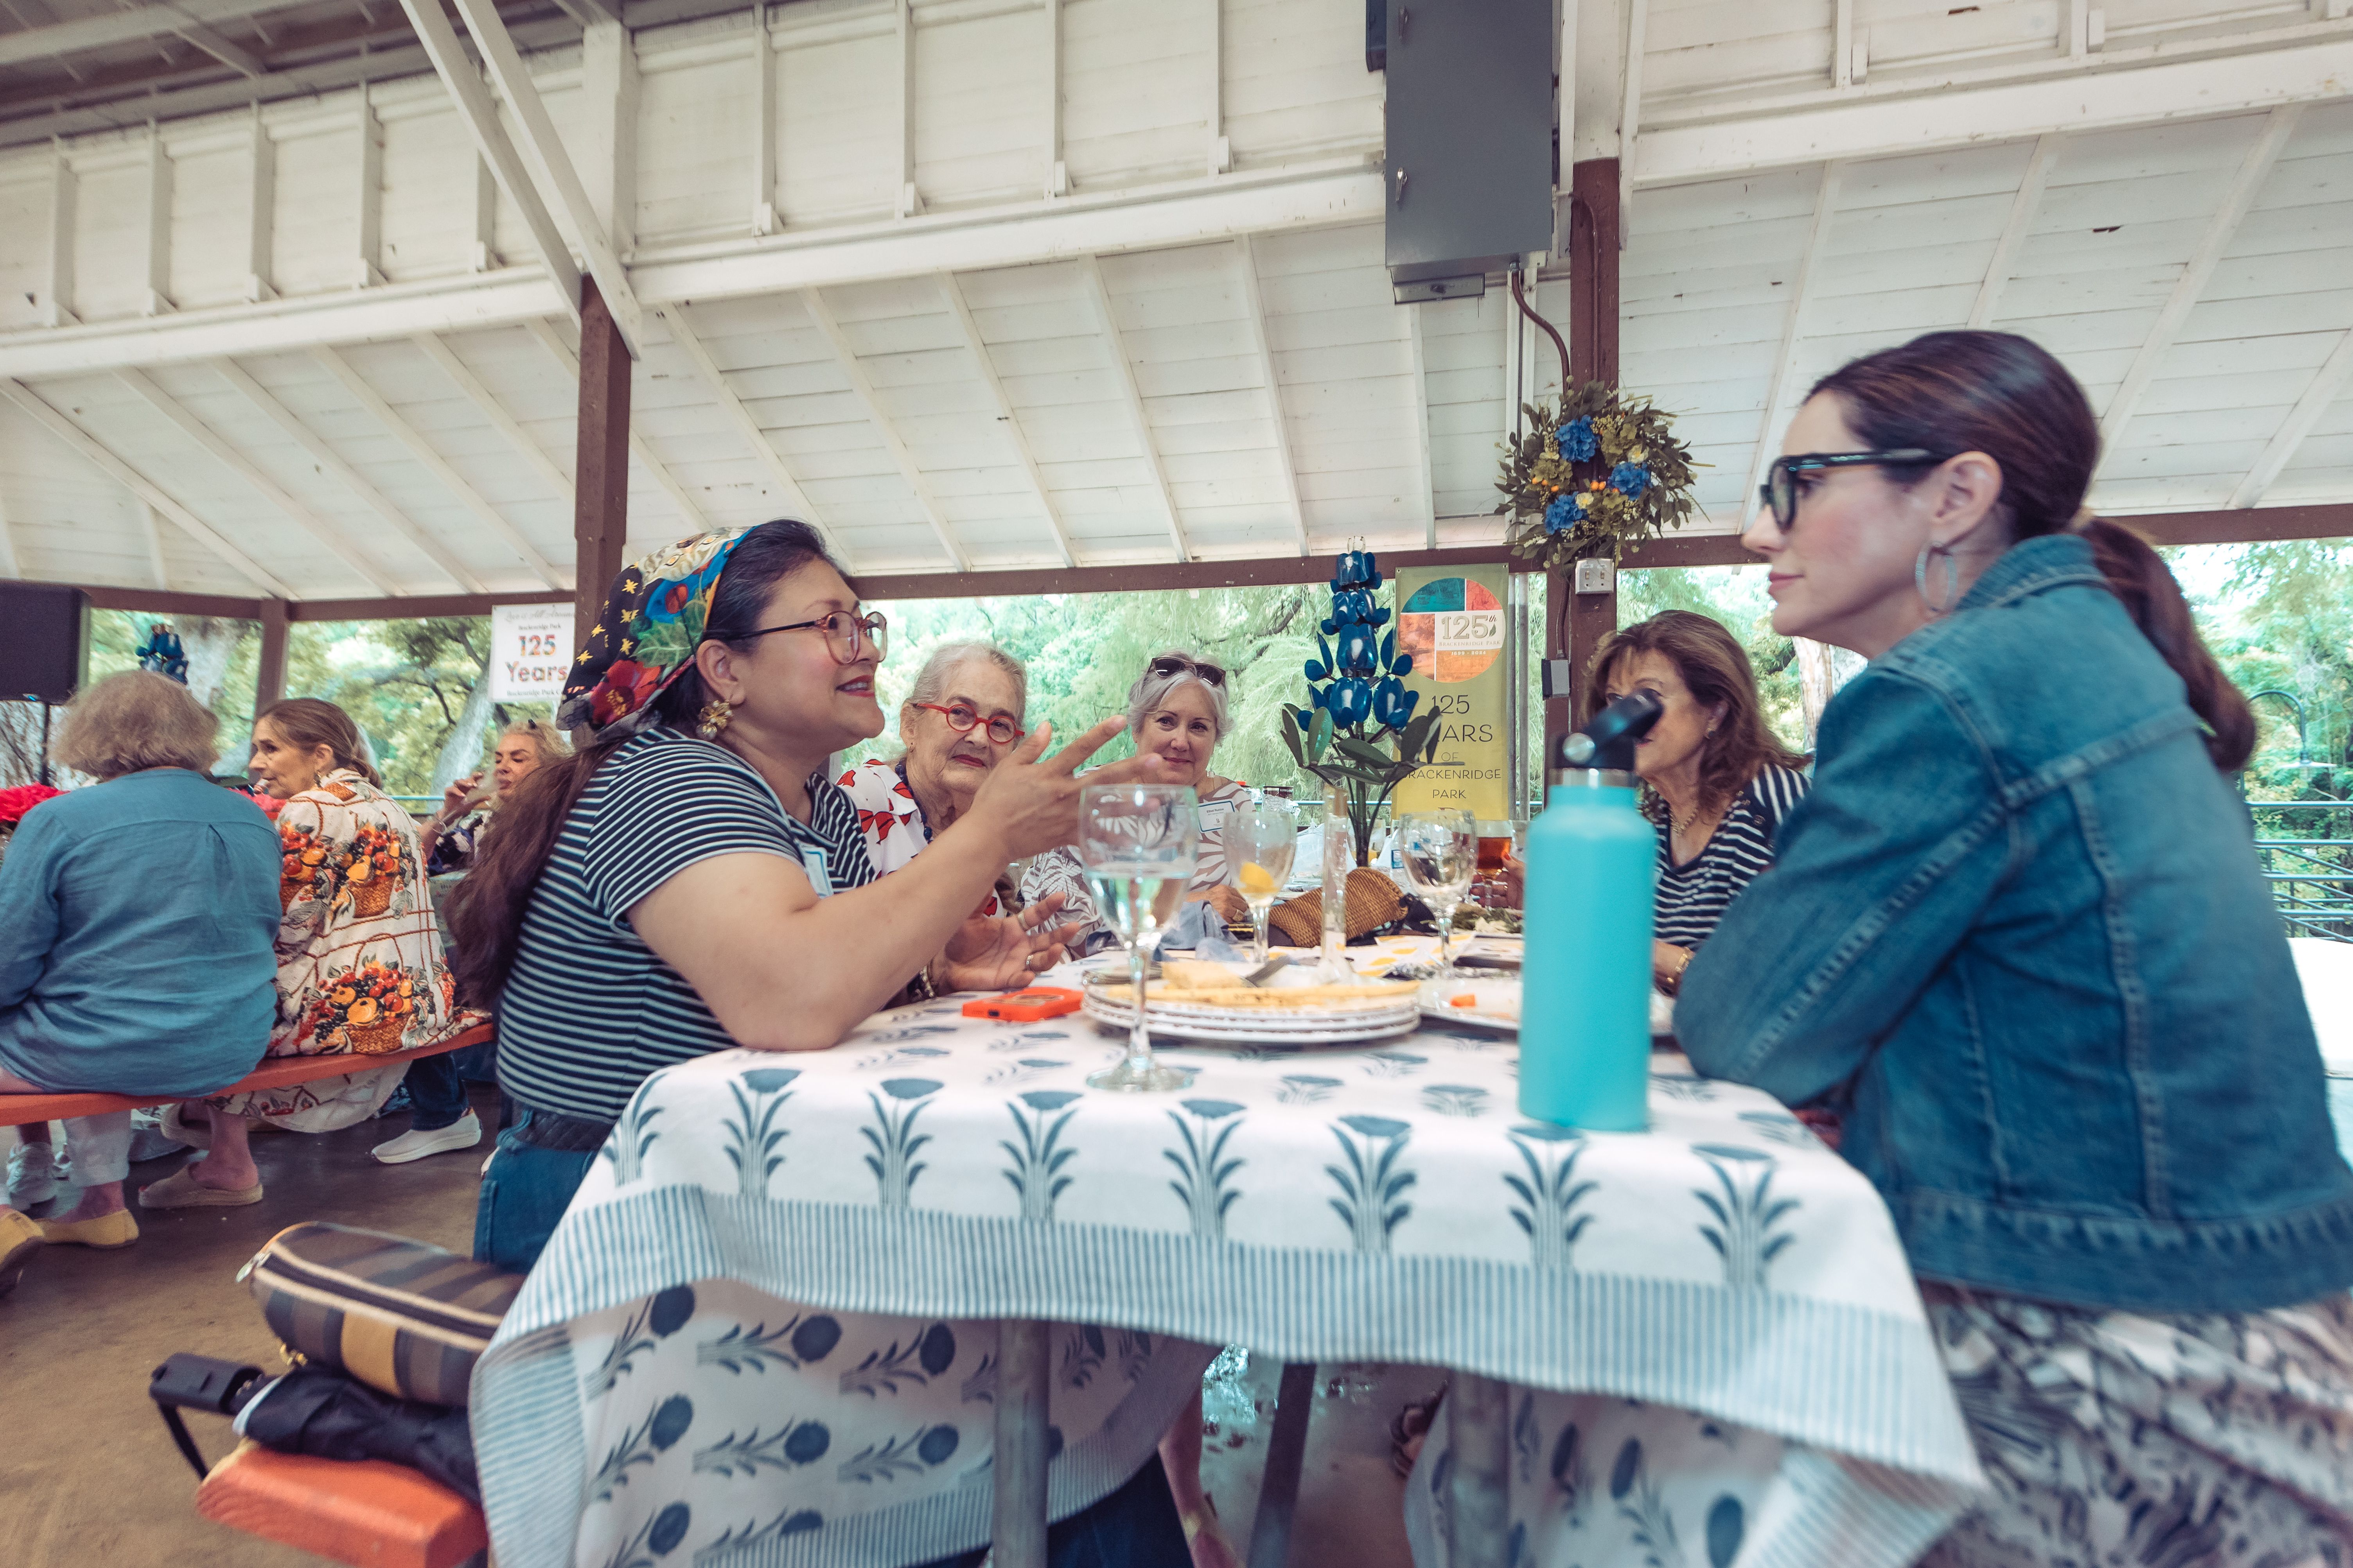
point(44, 640)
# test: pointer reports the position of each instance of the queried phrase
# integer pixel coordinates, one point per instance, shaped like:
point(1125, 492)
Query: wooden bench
point(275, 1072)
point(366, 1512)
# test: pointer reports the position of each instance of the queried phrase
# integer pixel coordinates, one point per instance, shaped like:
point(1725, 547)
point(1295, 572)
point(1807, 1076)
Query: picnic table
point(877, 1304)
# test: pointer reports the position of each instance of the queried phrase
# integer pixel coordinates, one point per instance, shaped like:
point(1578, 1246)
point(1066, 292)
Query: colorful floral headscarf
point(645, 637)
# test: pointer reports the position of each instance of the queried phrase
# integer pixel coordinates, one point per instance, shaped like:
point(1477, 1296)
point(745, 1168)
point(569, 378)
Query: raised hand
point(1034, 805)
point(1001, 953)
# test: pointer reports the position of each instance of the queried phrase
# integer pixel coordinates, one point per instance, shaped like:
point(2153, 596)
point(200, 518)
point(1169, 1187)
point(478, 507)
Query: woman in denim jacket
point(2018, 929)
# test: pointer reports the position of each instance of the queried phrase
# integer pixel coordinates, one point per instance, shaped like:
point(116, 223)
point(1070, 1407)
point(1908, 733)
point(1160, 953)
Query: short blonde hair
point(137, 719)
point(543, 735)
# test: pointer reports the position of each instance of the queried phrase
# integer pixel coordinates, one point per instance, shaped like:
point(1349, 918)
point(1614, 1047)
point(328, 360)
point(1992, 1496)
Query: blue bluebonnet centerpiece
point(1359, 703)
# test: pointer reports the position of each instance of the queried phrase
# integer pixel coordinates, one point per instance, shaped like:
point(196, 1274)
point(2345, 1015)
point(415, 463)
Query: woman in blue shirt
point(136, 923)
point(2018, 931)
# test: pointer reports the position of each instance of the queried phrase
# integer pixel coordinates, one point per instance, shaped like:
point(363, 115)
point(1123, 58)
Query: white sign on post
point(531, 652)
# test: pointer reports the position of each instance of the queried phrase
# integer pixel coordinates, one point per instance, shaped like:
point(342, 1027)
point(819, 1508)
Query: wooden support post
point(1575, 623)
point(600, 490)
point(270, 683)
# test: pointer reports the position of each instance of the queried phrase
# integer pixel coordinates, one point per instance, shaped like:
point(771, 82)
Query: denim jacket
point(2021, 911)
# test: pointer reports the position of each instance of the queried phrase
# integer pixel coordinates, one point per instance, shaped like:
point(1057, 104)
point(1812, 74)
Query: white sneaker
point(462, 1133)
point(32, 1174)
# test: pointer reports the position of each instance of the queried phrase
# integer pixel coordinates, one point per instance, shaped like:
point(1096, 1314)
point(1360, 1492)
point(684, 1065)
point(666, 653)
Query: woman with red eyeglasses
point(963, 718)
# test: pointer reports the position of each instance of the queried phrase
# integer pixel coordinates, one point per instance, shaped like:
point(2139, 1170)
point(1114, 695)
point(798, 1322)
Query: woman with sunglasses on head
point(1175, 711)
point(2018, 930)
point(962, 718)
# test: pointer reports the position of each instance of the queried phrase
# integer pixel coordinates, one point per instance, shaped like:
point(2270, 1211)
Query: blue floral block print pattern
point(722, 1429)
point(845, 1229)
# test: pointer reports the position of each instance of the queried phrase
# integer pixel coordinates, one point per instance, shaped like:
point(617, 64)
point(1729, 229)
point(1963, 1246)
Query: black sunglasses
point(1177, 664)
point(1779, 491)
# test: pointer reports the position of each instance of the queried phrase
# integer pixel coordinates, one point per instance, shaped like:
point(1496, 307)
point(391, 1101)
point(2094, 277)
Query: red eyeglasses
point(963, 719)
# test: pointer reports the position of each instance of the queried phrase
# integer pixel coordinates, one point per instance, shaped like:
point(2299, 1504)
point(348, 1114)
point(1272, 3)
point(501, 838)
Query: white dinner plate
point(1252, 1032)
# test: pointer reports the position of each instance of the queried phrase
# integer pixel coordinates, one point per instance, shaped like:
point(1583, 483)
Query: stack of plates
point(1323, 1024)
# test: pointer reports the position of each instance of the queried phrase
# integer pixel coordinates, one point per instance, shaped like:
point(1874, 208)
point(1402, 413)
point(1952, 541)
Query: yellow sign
point(1451, 619)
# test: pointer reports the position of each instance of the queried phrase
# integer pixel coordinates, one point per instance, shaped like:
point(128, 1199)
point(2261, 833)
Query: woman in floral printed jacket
point(359, 954)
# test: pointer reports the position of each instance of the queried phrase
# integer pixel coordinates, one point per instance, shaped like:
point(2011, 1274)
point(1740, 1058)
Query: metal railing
point(2307, 847)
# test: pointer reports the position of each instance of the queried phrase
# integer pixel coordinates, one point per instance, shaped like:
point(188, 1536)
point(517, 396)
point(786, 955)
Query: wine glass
point(1138, 843)
point(1261, 838)
point(1440, 851)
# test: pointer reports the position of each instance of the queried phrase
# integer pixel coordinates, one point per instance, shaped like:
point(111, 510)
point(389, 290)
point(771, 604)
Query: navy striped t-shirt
point(590, 1010)
point(1692, 897)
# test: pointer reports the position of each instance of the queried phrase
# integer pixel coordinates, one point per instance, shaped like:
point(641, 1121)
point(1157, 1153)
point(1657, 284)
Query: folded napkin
point(1203, 929)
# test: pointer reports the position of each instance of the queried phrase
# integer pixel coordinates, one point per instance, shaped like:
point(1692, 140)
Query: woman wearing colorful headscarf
point(690, 881)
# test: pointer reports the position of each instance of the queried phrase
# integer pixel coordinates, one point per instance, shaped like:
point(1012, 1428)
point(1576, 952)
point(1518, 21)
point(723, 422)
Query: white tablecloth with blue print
point(765, 1330)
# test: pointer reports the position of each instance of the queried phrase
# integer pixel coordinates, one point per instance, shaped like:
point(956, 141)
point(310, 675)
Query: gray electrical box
point(1469, 141)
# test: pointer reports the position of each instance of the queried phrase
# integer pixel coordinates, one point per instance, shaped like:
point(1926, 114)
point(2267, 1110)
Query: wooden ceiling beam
point(276, 494)
point(451, 480)
point(455, 69)
point(714, 380)
point(1005, 414)
point(2213, 526)
point(97, 454)
point(2328, 382)
point(533, 455)
point(2254, 172)
point(352, 480)
point(690, 511)
point(1785, 363)
point(1255, 323)
point(550, 165)
point(1091, 279)
point(2015, 229)
point(863, 385)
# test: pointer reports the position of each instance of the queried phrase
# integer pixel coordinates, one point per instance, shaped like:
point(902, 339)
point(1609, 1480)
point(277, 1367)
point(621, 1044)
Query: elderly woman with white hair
point(137, 923)
point(1176, 710)
point(963, 717)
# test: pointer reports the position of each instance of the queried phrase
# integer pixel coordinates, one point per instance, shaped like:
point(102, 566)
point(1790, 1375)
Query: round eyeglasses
point(1779, 491)
point(962, 718)
point(845, 635)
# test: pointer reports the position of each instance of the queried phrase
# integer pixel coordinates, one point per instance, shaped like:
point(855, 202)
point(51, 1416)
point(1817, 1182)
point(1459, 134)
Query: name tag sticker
point(813, 862)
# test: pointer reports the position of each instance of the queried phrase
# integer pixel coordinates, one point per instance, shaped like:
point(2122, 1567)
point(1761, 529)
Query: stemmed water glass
point(1440, 852)
point(1261, 838)
point(1137, 842)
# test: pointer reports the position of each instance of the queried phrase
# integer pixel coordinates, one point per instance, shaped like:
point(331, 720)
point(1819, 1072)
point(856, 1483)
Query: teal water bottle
point(1585, 987)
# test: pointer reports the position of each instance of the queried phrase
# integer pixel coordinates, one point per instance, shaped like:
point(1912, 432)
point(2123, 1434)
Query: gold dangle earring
point(714, 719)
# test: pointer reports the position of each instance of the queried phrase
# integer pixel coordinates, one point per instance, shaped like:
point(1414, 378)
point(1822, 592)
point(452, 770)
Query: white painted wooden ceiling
point(1254, 391)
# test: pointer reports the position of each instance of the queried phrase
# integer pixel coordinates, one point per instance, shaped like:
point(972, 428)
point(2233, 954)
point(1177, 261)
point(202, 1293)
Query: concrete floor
point(90, 1476)
point(92, 1479)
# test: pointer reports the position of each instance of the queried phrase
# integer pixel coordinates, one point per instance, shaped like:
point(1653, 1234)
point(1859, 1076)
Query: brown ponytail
point(308, 721)
point(486, 913)
point(2006, 397)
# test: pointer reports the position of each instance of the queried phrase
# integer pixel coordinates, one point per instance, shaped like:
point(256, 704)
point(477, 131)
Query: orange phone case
point(1024, 1006)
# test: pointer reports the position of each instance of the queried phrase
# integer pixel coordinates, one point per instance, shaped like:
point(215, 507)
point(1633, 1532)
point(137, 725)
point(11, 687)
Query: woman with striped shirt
point(691, 881)
point(1719, 782)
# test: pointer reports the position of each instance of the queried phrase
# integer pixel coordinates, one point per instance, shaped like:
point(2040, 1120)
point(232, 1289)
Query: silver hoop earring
point(1952, 579)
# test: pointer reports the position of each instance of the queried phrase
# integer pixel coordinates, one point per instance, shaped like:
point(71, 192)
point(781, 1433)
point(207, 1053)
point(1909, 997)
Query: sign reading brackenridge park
point(531, 652)
point(1451, 619)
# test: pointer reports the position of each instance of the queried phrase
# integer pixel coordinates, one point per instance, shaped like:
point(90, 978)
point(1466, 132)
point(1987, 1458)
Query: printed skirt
point(2146, 1440)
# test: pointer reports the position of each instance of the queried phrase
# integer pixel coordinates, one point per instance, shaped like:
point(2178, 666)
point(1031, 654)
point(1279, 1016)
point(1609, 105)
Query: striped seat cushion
point(397, 1314)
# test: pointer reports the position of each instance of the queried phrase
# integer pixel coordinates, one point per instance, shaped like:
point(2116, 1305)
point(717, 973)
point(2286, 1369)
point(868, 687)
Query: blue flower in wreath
point(1577, 441)
point(1630, 480)
point(1561, 514)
